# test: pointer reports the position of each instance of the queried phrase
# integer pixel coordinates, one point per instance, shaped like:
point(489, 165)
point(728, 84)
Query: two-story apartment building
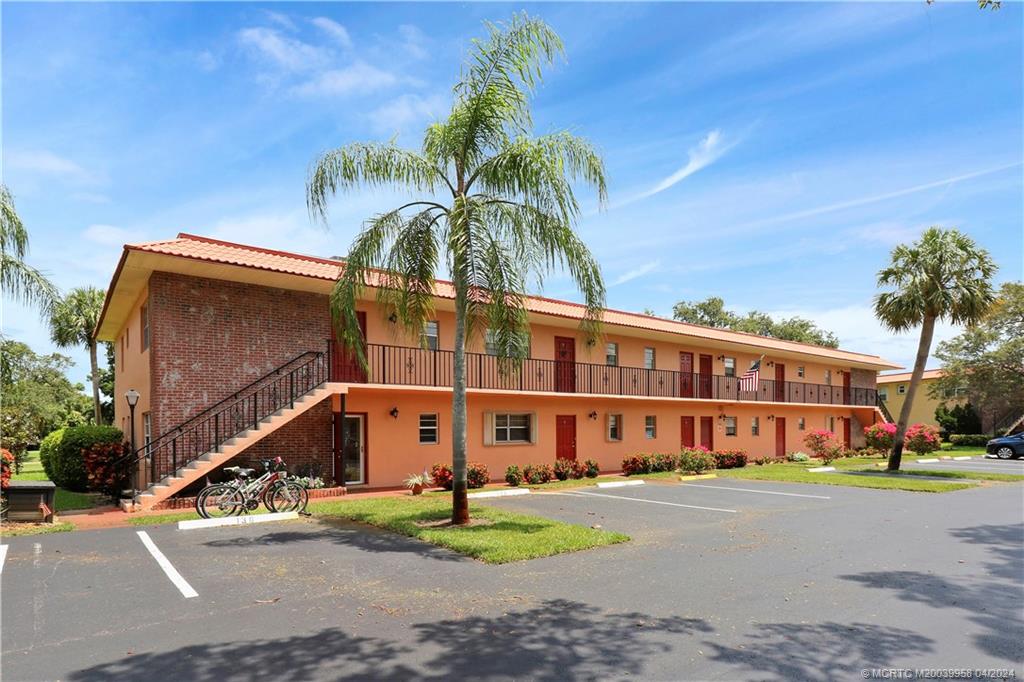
point(231, 350)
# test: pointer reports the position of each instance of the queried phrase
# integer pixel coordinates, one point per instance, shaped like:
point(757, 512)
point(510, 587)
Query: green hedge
point(969, 439)
point(61, 453)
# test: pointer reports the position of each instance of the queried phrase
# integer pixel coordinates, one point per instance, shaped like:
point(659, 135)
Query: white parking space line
point(3, 557)
point(667, 504)
point(172, 573)
point(751, 490)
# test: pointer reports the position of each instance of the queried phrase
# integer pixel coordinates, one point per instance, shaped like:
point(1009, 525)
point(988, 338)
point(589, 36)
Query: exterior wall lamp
point(771, 417)
point(770, 363)
point(394, 412)
point(392, 318)
point(593, 415)
point(721, 358)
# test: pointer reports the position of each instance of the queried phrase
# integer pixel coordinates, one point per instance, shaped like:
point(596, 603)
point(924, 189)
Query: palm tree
point(72, 323)
point(942, 276)
point(17, 279)
point(496, 204)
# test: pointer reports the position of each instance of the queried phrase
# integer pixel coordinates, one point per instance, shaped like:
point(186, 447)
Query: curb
point(500, 493)
point(619, 484)
point(697, 477)
point(821, 469)
point(927, 461)
point(192, 524)
point(960, 459)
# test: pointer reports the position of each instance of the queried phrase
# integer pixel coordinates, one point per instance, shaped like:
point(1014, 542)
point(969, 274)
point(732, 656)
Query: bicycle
point(242, 495)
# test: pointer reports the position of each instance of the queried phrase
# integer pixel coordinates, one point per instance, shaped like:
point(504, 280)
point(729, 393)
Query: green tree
point(711, 312)
point(987, 359)
point(107, 384)
point(73, 320)
point(37, 396)
point(18, 280)
point(497, 210)
point(942, 276)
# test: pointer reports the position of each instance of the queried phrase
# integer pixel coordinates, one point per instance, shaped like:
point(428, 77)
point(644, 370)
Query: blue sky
point(768, 153)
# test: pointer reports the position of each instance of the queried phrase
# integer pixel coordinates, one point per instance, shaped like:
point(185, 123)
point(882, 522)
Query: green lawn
point(502, 536)
point(16, 529)
point(947, 473)
point(796, 472)
point(65, 500)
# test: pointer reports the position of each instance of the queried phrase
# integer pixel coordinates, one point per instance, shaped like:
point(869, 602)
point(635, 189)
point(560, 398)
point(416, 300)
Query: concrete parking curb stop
point(192, 524)
point(697, 477)
point(618, 484)
point(501, 493)
point(821, 469)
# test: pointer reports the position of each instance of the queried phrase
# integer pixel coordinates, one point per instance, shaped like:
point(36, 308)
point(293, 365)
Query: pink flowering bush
point(880, 436)
point(922, 439)
point(824, 445)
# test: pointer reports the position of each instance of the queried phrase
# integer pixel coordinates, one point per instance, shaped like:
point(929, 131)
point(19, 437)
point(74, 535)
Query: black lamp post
point(132, 397)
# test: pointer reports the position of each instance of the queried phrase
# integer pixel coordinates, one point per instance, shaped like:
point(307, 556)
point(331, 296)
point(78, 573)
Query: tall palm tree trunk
point(95, 376)
point(923, 347)
point(460, 503)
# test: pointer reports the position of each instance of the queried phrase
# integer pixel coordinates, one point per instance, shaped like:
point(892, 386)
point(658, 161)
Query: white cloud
point(703, 154)
point(281, 20)
point(288, 53)
point(46, 162)
point(401, 113)
point(207, 61)
point(109, 235)
point(334, 30)
point(635, 273)
point(356, 78)
point(414, 41)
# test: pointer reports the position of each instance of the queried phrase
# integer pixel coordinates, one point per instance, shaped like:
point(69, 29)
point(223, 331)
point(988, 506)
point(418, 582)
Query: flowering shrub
point(819, 440)
point(538, 473)
point(578, 469)
point(832, 451)
point(665, 461)
point(880, 436)
point(922, 439)
point(476, 475)
point(100, 473)
point(798, 457)
point(761, 460)
point(695, 460)
point(6, 462)
point(442, 475)
point(730, 459)
point(591, 468)
point(637, 464)
point(310, 482)
point(563, 468)
point(513, 476)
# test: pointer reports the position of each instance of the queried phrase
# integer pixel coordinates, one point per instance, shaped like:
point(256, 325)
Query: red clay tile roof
point(217, 251)
point(905, 376)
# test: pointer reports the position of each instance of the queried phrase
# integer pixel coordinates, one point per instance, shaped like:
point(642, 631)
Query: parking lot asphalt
point(982, 464)
point(724, 579)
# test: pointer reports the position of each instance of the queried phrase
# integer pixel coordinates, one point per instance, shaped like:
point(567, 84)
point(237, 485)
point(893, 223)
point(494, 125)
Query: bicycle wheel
point(218, 501)
point(287, 496)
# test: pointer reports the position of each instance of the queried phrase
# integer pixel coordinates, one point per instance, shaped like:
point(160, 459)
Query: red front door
point(565, 364)
point(565, 436)
point(686, 432)
point(685, 374)
point(704, 377)
point(780, 382)
point(780, 437)
point(344, 362)
point(846, 433)
point(707, 432)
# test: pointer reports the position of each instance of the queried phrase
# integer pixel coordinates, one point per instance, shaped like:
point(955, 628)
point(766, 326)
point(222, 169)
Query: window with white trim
point(512, 427)
point(883, 393)
point(650, 426)
point(730, 367)
point(615, 427)
point(611, 354)
point(428, 429)
point(828, 377)
point(830, 424)
point(730, 426)
point(147, 429)
point(649, 358)
point(491, 344)
point(144, 325)
point(429, 336)
point(901, 389)
point(800, 372)
point(755, 426)
point(801, 424)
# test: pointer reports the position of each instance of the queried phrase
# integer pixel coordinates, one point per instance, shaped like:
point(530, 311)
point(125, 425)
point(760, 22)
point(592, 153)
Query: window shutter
point(488, 428)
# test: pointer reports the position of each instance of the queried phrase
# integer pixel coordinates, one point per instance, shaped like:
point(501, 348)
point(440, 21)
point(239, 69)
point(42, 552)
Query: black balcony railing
point(399, 365)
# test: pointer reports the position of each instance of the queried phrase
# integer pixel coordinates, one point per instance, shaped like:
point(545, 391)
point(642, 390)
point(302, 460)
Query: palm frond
point(73, 318)
point(25, 284)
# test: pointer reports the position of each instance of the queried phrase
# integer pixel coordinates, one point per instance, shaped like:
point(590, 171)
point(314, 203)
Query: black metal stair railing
point(243, 410)
point(401, 365)
point(885, 410)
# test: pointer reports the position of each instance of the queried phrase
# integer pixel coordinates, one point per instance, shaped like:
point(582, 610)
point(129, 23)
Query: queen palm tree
point(496, 206)
point(73, 320)
point(19, 280)
point(942, 276)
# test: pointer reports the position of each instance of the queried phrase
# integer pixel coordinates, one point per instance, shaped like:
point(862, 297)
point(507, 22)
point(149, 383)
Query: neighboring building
point(230, 347)
point(892, 390)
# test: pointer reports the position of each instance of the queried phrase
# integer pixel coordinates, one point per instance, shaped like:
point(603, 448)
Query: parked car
point(1006, 447)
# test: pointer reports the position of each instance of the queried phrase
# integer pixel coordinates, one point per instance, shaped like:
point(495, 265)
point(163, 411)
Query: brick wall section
point(212, 337)
point(860, 378)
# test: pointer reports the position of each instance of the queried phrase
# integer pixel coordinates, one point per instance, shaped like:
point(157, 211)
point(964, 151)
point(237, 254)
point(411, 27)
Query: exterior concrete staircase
point(192, 449)
point(204, 464)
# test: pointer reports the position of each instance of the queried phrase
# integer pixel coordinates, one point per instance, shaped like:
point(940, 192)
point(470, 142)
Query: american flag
point(749, 380)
